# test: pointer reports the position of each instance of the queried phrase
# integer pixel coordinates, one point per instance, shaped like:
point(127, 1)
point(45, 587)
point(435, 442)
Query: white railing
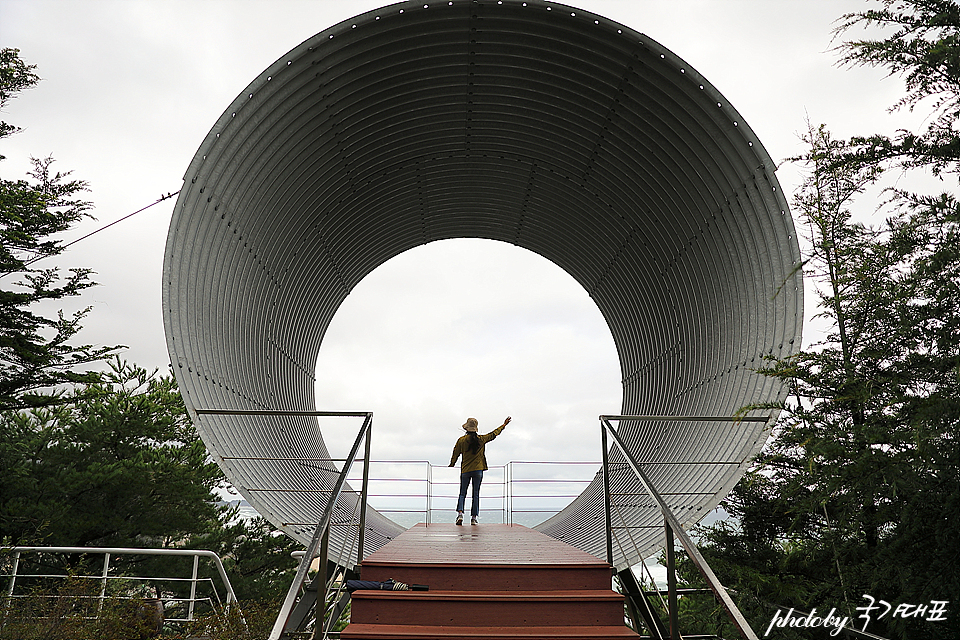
point(104, 577)
point(519, 492)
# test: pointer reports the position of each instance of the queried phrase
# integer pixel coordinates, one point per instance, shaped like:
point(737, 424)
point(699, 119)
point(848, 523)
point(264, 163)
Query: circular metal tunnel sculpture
point(544, 126)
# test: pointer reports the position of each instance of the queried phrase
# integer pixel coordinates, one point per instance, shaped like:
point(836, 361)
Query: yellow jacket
point(473, 461)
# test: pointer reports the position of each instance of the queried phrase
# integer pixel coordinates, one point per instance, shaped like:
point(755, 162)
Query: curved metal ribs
point(532, 123)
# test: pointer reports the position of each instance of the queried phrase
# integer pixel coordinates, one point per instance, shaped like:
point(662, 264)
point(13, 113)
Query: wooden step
point(426, 632)
point(480, 608)
point(486, 581)
point(490, 577)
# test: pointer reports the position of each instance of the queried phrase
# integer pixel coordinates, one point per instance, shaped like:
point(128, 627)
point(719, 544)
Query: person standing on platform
point(472, 447)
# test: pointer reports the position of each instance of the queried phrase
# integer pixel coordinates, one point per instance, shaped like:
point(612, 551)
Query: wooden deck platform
point(486, 581)
point(479, 544)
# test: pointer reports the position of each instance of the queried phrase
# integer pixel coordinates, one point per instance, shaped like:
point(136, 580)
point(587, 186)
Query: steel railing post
point(103, 582)
point(365, 491)
point(508, 480)
point(503, 496)
point(193, 587)
point(671, 582)
point(13, 576)
point(429, 491)
point(606, 494)
point(319, 628)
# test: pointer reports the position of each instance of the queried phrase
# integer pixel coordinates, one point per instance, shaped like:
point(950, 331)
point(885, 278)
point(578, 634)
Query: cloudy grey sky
point(130, 88)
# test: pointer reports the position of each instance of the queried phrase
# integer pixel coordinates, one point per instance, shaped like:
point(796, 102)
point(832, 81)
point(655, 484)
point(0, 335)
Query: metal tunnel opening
point(469, 326)
point(530, 123)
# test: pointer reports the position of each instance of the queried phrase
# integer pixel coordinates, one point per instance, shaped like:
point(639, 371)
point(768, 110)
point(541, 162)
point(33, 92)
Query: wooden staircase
point(486, 581)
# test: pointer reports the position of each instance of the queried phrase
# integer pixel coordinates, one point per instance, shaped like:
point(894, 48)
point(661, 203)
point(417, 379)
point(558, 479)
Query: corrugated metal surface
point(525, 122)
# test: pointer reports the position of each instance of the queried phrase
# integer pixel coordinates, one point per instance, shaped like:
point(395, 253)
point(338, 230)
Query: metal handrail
point(323, 525)
point(512, 481)
point(428, 496)
point(673, 524)
point(104, 577)
point(423, 499)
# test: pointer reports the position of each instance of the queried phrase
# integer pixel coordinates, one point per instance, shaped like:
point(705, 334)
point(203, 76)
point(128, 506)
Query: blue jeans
point(465, 479)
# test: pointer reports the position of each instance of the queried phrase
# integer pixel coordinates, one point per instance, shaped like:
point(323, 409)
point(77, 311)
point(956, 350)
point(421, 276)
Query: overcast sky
point(455, 329)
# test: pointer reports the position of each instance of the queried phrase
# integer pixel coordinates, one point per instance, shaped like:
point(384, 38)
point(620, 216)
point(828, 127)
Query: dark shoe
point(473, 521)
point(460, 518)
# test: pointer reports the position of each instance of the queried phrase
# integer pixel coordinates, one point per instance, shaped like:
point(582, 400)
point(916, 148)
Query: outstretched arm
point(493, 434)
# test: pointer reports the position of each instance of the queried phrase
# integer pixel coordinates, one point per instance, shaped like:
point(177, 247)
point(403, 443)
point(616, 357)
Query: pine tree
point(36, 356)
point(858, 490)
